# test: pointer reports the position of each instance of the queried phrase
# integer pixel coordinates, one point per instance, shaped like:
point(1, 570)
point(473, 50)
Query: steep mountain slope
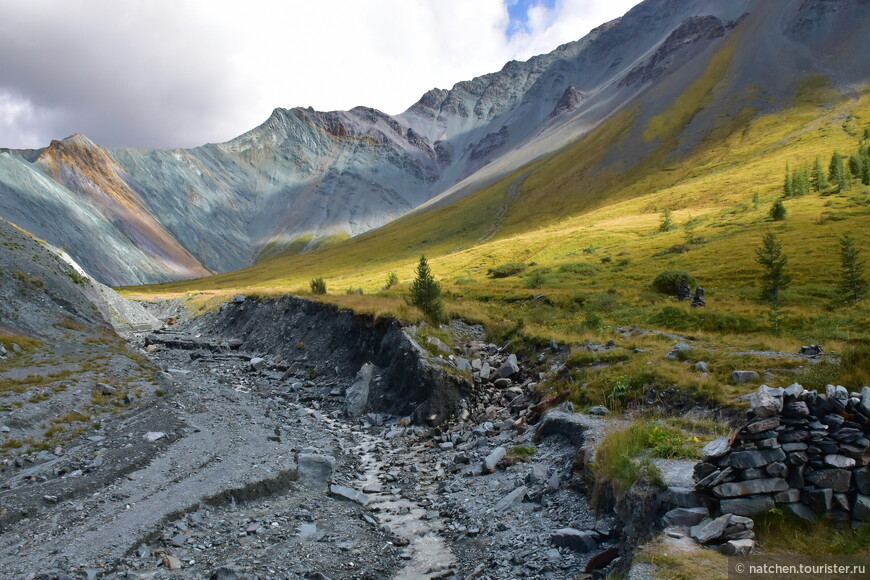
point(641, 91)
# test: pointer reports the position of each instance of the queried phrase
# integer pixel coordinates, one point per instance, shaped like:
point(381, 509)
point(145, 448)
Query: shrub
point(668, 282)
point(357, 291)
point(318, 285)
point(580, 269)
point(392, 280)
point(505, 270)
point(536, 279)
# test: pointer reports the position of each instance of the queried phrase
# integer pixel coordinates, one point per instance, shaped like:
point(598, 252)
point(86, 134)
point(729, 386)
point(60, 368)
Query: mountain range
point(667, 76)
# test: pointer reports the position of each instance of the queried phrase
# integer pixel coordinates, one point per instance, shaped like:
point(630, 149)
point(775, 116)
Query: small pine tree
point(837, 173)
point(856, 166)
point(800, 182)
point(392, 280)
point(778, 211)
point(318, 285)
point(774, 280)
point(667, 223)
point(853, 284)
point(819, 178)
point(787, 185)
point(426, 293)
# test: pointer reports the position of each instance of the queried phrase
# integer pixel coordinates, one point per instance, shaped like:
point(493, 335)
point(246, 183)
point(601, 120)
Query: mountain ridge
point(303, 178)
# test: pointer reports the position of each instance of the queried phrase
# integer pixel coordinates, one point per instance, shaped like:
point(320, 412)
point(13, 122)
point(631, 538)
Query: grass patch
point(506, 270)
point(782, 533)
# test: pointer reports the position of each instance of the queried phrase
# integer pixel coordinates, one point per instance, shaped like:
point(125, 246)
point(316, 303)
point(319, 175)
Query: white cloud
point(180, 73)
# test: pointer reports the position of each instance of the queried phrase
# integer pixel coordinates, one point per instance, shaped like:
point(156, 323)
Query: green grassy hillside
point(591, 243)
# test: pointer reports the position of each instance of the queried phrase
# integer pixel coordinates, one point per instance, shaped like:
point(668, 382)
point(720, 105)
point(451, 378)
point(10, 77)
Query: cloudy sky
point(170, 73)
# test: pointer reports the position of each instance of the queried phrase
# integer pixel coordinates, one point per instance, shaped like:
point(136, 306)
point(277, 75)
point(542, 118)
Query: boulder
point(573, 539)
point(257, 363)
point(766, 401)
point(717, 447)
point(485, 371)
point(599, 410)
point(737, 547)
point(508, 369)
point(314, 470)
point(490, 464)
point(684, 497)
point(709, 531)
point(685, 517)
point(357, 395)
point(743, 377)
point(862, 480)
point(701, 367)
point(569, 425)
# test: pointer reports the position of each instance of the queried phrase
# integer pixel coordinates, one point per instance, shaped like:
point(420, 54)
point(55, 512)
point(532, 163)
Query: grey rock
point(239, 298)
point(314, 470)
point(839, 461)
point(308, 531)
point(766, 401)
point(801, 510)
point(760, 425)
point(16, 349)
point(514, 497)
point(685, 517)
point(574, 539)
point(796, 409)
point(820, 500)
point(750, 487)
point(599, 410)
point(485, 371)
point(790, 495)
point(701, 367)
point(234, 343)
point(717, 447)
point(344, 492)
point(572, 426)
point(744, 376)
point(357, 395)
point(677, 496)
point(143, 551)
point(864, 402)
point(509, 368)
point(225, 573)
point(737, 547)
point(841, 393)
point(709, 531)
point(747, 506)
point(178, 540)
point(502, 383)
point(777, 469)
point(462, 364)
point(794, 390)
point(835, 479)
point(861, 508)
point(756, 457)
point(153, 436)
point(862, 480)
point(258, 363)
point(490, 464)
point(439, 344)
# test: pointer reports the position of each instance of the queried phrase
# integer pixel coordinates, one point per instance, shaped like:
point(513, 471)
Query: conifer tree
point(667, 223)
point(820, 178)
point(774, 280)
point(837, 172)
point(787, 185)
point(777, 211)
point(853, 284)
point(426, 293)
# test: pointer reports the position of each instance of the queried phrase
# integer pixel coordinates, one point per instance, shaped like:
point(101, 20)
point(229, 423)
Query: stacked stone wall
point(801, 451)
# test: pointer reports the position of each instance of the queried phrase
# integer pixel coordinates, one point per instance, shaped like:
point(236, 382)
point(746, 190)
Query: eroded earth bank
point(289, 439)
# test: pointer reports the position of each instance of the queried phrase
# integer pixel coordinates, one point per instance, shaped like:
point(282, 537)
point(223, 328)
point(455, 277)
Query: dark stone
point(698, 300)
point(602, 559)
point(747, 506)
point(702, 470)
point(750, 487)
point(756, 458)
point(836, 479)
point(790, 495)
point(795, 477)
point(760, 425)
point(684, 497)
point(796, 409)
point(793, 436)
point(819, 500)
point(802, 511)
point(777, 469)
point(686, 517)
point(832, 420)
point(796, 458)
point(573, 539)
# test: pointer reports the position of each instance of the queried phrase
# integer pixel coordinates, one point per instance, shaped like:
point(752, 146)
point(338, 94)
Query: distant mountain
point(305, 178)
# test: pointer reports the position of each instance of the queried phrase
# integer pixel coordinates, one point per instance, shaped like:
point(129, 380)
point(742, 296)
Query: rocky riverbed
point(246, 464)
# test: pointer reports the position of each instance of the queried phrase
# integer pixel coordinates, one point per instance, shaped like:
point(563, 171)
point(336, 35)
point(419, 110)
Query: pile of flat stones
point(801, 451)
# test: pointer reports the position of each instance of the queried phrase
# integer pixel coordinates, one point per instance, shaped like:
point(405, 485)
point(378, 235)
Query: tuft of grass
point(505, 270)
point(622, 458)
point(782, 533)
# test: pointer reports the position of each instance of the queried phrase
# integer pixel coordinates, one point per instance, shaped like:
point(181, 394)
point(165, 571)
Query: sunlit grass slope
point(590, 263)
